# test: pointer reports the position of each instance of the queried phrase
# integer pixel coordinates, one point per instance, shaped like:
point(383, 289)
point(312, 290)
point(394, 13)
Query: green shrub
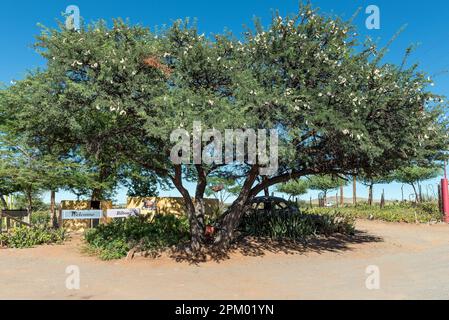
point(429, 209)
point(284, 225)
point(25, 237)
point(398, 212)
point(42, 218)
point(114, 240)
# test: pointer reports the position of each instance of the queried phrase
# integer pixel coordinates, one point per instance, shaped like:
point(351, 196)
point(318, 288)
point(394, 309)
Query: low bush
point(116, 239)
point(28, 237)
point(41, 218)
point(429, 209)
point(284, 225)
point(405, 212)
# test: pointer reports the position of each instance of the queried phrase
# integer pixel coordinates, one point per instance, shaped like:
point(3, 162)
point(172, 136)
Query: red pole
point(445, 195)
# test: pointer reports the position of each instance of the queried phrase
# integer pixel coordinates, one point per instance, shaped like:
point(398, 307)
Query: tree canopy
point(112, 97)
point(325, 183)
point(415, 175)
point(294, 188)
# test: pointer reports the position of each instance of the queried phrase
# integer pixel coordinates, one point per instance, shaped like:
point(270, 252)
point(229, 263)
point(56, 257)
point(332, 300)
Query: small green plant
point(26, 237)
point(116, 239)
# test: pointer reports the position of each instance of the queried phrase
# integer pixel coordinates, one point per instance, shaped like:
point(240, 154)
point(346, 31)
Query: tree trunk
point(104, 174)
point(233, 216)
point(198, 227)
point(54, 217)
point(420, 193)
point(416, 192)
point(29, 194)
point(354, 190)
point(370, 194)
point(382, 200)
point(195, 212)
point(96, 195)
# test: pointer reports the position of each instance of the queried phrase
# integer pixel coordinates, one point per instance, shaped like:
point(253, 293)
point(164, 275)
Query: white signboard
point(81, 214)
point(122, 213)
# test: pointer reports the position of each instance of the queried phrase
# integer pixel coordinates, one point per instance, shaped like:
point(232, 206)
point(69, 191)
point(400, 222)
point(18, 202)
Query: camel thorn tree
point(336, 107)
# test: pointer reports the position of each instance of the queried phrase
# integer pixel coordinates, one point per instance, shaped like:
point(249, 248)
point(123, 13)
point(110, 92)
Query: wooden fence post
point(8, 224)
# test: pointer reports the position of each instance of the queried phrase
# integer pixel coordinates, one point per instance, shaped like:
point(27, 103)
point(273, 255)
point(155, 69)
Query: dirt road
point(413, 261)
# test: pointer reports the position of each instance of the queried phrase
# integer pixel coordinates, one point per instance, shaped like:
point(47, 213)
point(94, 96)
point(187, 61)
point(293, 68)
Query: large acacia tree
point(337, 108)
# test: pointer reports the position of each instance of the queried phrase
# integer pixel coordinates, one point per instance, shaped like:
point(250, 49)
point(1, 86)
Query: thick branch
point(266, 183)
point(177, 181)
point(202, 182)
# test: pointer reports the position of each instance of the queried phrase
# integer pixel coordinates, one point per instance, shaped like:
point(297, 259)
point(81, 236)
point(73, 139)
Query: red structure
point(445, 195)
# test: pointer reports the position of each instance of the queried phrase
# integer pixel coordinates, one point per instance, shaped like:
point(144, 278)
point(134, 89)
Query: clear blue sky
point(426, 25)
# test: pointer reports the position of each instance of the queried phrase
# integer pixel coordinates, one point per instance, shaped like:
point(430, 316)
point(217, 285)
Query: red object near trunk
point(210, 230)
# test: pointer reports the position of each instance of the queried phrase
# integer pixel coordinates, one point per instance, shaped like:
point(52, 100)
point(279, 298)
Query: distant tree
point(371, 180)
point(294, 188)
point(21, 201)
point(414, 176)
point(325, 183)
point(7, 184)
point(25, 169)
point(39, 111)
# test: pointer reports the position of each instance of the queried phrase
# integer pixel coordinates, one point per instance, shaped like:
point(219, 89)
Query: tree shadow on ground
point(257, 247)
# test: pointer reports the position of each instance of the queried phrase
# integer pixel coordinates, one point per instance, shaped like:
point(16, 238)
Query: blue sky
point(426, 26)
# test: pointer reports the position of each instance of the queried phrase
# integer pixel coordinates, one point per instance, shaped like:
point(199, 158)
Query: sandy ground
point(413, 261)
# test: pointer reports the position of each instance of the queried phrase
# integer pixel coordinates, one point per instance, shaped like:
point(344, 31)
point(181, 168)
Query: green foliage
point(25, 237)
point(294, 188)
point(41, 218)
point(325, 183)
point(371, 179)
point(114, 240)
point(283, 225)
point(429, 208)
point(21, 202)
point(416, 174)
point(23, 168)
point(140, 183)
point(407, 213)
